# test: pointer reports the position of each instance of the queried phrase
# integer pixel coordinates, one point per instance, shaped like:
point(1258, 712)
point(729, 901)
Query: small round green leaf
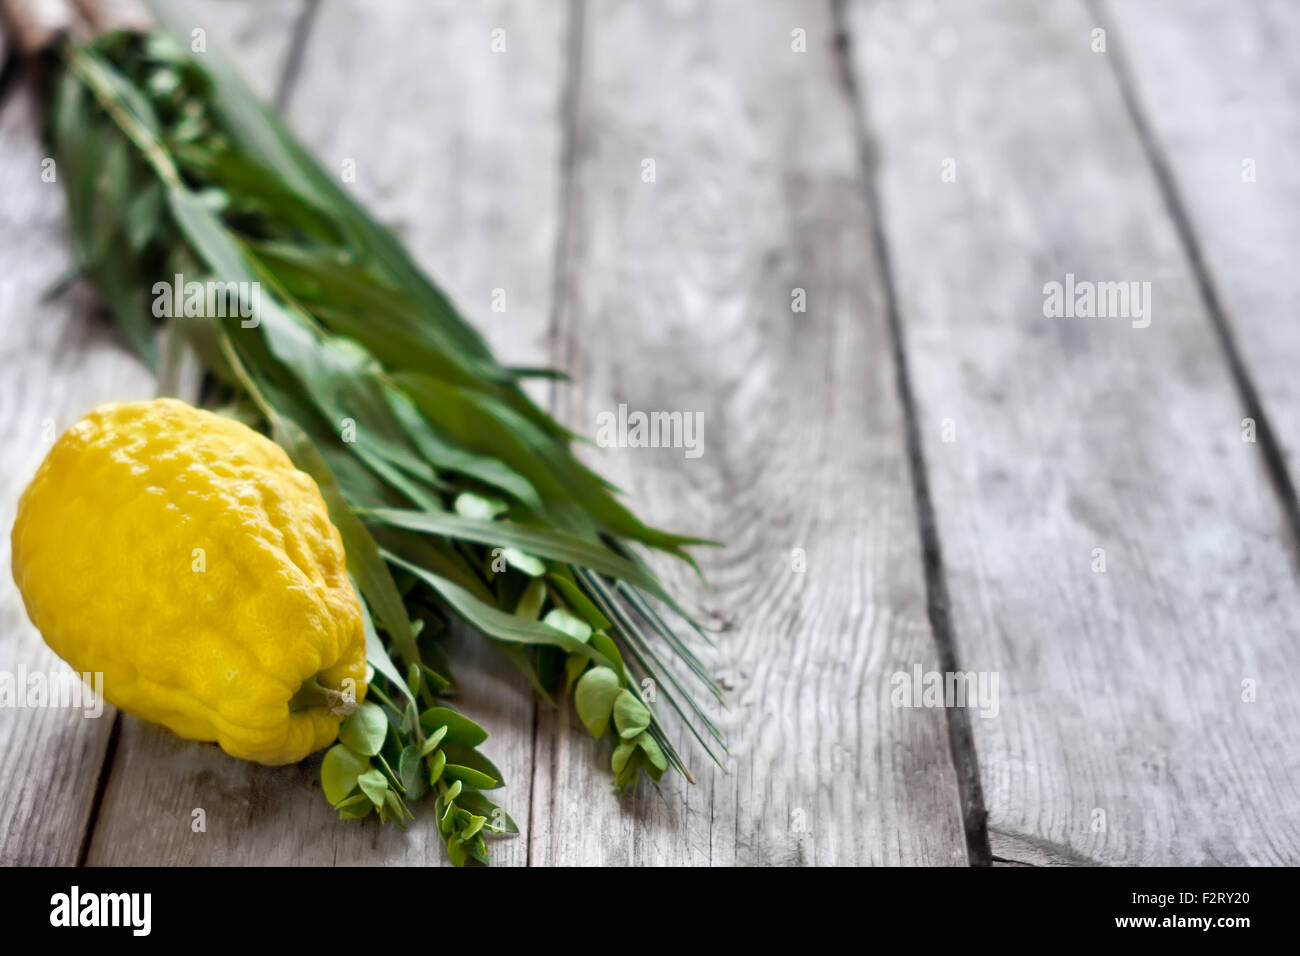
point(631, 717)
point(626, 778)
point(594, 698)
point(480, 507)
point(533, 567)
point(374, 785)
point(393, 804)
point(654, 753)
point(621, 754)
point(568, 622)
point(339, 772)
point(437, 763)
point(472, 826)
point(460, 728)
point(431, 742)
point(468, 775)
point(456, 851)
point(365, 730)
point(410, 770)
point(357, 810)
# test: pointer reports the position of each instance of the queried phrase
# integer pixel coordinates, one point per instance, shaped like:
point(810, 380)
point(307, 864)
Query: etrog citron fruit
point(182, 556)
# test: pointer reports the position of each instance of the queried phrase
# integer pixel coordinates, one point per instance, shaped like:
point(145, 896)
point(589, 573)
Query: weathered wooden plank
point(1217, 86)
point(258, 36)
point(680, 297)
point(58, 359)
point(1124, 733)
point(463, 160)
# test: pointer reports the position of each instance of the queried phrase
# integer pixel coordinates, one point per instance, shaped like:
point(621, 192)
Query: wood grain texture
point(463, 161)
point(1120, 692)
point(678, 297)
point(58, 360)
point(1218, 86)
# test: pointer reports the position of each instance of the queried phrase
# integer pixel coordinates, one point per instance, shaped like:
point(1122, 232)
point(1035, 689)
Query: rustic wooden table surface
point(917, 468)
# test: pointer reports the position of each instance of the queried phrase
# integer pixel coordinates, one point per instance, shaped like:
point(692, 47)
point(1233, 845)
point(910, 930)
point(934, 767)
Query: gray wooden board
point(678, 297)
point(463, 161)
point(1121, 693)
point(1219, 86)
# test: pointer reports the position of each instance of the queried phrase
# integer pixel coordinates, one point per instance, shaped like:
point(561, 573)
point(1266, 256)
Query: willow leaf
point(479, 422)
point(543, 542)
point(495, 622)
point(434, 555)
point(377, 654)
point(448, 457)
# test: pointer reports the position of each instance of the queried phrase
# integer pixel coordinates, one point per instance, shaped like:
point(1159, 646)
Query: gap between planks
point(577, 16)
point(1161, 728)
point(302, 29)
point(1274, 458)
point(961, 740)
point(761, 180)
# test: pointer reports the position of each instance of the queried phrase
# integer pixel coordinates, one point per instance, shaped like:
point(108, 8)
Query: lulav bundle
point(457, 497)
